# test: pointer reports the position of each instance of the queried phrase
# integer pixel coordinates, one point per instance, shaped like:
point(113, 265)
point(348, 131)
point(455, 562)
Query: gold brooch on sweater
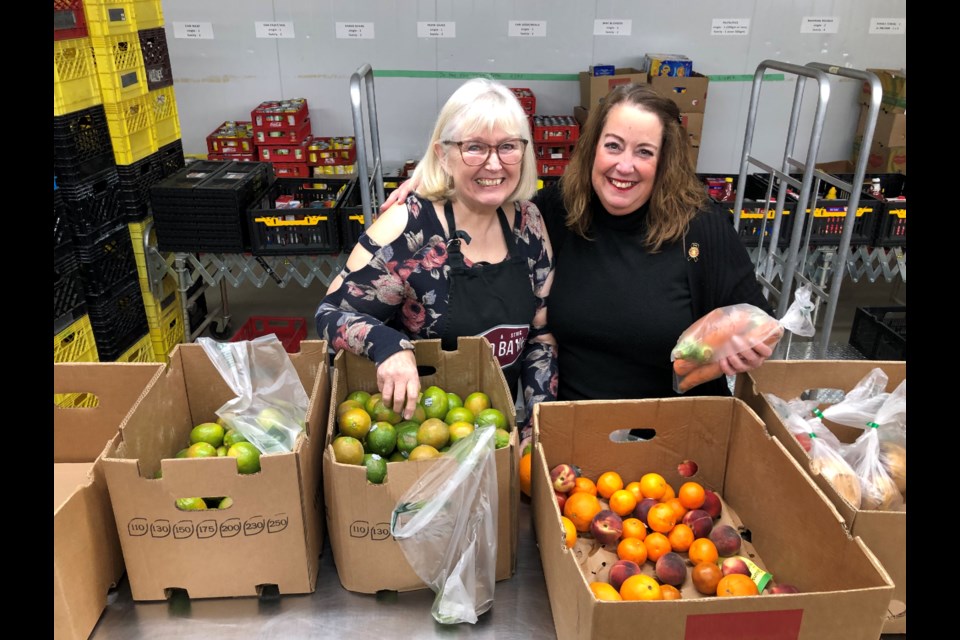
point(693, 252)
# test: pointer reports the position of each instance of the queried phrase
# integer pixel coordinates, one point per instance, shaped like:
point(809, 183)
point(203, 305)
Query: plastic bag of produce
point(446, 526)
point(270, 404)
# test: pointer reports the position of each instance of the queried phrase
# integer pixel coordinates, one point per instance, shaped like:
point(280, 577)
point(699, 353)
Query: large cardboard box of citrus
point(368, 559)
point(270, 537)
point(885, 532)
point(795, 532)
point(93, 398)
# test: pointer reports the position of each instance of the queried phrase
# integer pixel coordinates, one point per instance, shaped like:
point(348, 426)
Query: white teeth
point(621, 185)
point(489, 182)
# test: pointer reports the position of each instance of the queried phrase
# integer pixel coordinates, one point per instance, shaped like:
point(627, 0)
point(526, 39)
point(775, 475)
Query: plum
point(620, 571)
point(640, 511)
point(671, 569)
point(783, 588)
point(726, 539)
point(699, 521)
point(606, 527)
point(712, 504)
point(563, 478)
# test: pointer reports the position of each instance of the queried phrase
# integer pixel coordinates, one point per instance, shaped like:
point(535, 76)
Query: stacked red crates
point(554, 138)
point(233, 140)
point(282, 131)
point(332, 156)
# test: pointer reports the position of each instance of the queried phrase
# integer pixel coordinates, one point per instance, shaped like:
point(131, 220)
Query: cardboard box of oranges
point(270, 536)
point(368, 559)
point(795, 533)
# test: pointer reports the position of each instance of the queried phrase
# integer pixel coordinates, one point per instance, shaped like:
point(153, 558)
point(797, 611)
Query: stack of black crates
point(115, 133)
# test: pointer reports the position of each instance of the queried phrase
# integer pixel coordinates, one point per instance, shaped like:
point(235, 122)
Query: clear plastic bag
point(446, 526)
point(729, 330)
point(270, 404)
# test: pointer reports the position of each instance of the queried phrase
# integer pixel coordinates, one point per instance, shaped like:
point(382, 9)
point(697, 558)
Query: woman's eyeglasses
point(475, 154)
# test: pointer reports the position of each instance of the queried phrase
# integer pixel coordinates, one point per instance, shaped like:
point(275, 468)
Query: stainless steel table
point(521, 610)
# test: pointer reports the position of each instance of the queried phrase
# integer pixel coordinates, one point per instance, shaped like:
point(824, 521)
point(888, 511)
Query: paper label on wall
point(888, 26)
point(612, 27)
point(436, 29)
point(527, 28)
point(730, 27)
point(828, 24)
point(355, 30)
point(193, 30)
point(274, 30)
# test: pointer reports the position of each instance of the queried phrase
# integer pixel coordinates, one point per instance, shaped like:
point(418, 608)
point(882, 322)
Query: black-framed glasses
point(475, 153)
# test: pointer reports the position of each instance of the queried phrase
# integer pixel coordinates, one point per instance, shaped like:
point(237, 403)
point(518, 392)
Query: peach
point(734, 564)
point(726, 539)
point(561, 499)
point(563, 478)
point(700, 521)
point(640, 511)
point(620, 571)
point(687, 468)
point(711, 503)
point(607, 527)
point(671, 569)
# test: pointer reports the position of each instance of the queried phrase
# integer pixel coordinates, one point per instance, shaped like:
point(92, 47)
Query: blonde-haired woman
point(466, 255)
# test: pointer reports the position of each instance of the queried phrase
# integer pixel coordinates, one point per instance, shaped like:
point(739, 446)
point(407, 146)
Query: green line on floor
point(540, 77)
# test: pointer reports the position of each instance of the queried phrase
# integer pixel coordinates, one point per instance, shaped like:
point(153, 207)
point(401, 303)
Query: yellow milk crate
point(75, 400)
point(110, 17)
point(168, 282)
point(166, 331)
point(149, 14)
point(131, 129)
point(75, 83)
point(120, 67)
point(75, 343)
point(141, 351)
point(166, 122)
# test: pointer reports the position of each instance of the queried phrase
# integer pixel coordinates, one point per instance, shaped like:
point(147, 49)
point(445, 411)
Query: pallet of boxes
point(888, 151)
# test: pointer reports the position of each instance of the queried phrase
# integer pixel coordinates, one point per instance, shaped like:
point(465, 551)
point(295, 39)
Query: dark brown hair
point(677, 193)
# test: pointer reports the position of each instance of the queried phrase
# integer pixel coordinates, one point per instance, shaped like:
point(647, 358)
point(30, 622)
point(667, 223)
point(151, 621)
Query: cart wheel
point(221, 334)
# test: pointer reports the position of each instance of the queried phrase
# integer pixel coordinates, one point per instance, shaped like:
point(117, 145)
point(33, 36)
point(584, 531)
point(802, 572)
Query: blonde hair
point(478, 106)
point(677, 193)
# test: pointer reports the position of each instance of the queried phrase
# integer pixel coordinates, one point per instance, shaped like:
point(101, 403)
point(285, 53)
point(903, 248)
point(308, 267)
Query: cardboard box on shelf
point(689, 93)
point(882, 159)
point(368, 559)
point(594, 88)
point(271, 535)
point(890, 130)
point(87, 560)
point(884, 532)
point(667, 64)
point(693, 123)
point(894, 84)
point(581, 114)
point(844, 590)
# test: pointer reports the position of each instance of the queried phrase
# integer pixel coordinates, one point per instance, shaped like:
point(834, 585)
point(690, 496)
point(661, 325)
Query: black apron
point(495, 301)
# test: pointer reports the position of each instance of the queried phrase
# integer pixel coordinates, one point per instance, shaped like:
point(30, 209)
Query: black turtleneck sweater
point(617, 310)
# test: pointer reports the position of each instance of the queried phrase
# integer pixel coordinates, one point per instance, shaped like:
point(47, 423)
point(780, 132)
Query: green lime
point(376, 468)
point(460, 430)
point(182, 453)
point(407, 436)
point(347, 450)
point(222, 450)
point(371, 402)
point(419, 415)
point(433, 432)
point(209, 432)
point(191, 504)
point(382, 438)
point(201, 450)
point(477, 402)
point(247, 455)
point(501, 438)
point(158, 474)
point(354, 423)
point(424, 452)
point(232, 437)
point(492, 417)
point(453, 400)
point(359, 396)
point(346, 405)
point(383, 413)
point(459, 414)
point(434, 402)
point(396, 456)
point(226, 503)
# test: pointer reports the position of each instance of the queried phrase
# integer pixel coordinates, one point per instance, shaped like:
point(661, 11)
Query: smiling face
point(625, 161)
point(485, 186)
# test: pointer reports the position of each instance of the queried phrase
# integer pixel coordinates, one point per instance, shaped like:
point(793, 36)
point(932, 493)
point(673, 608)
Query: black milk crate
point(156, 58)
point(68, 292)
point(755, 209)
point(310, 228)
point(891, 229)
point(198, 312)
point(62, 234)
point(81, 145)
point(828, 218)
point(118, 319)
point(135, 182)
point(351, 208)
point(106, 259)
point(93, 204)
point(171, 158)
point(880, 333)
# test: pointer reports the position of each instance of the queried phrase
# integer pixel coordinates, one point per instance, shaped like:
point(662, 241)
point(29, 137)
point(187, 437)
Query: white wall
point(225, 77)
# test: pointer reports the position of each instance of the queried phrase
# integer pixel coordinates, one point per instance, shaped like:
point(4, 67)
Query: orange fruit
point(622, 502)
point(641, 587)
point(634, 528)
point(581, 508)
point(608, 483)
point(632, 549)
point(584, 485)
point(736, 584)
point(691, 495)
point(678, 509)
point(604, 591)
point(661, 518)
point(526, 463)
point(706, 576)
point(657, 544)
point(668, 494)
point(703, 550)
point(570, 531)
point(670, 592)
point(634, 488)
point(652, 485)
point(680, 537)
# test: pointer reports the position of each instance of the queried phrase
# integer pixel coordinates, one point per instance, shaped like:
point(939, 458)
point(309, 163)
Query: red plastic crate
point(553, 151)
point(280, 114)
point(291, 170)
point(69, 20)
point(289, 331)
point(286, 153)
point(232, 137)
point(235, 157)
point(277, 136)
point(332, 151)
point(551, 167)
point(555, 129)
point(526, 98)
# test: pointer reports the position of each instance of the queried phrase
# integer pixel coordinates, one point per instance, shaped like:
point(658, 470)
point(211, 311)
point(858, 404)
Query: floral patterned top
point(401, 295)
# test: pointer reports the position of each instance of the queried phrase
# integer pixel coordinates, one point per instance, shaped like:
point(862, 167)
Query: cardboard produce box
point(689, 93)
point(894, 85)
point(87, 560)
point(884, 532)
point(792, 527)
point(368, 559)
point(890, 130)
point(882, 159)
point(273, 532)
point(593, 89)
